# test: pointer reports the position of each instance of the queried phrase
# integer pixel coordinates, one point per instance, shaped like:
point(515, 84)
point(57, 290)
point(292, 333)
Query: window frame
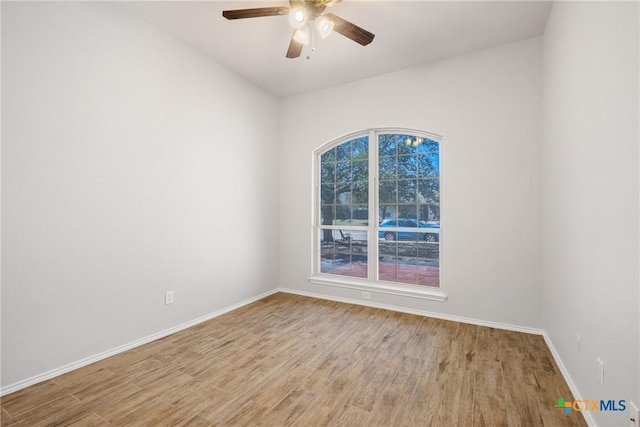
point(372, 283)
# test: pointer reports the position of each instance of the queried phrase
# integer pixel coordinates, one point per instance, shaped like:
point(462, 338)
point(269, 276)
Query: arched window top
point(426, 136)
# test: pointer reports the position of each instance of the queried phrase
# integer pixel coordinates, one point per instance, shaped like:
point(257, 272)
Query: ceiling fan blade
point(295, 49)
point(349, 30)
point(329, 3)
point(255, 13)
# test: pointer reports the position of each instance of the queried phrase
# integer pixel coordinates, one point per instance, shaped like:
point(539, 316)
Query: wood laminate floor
point(292, 360)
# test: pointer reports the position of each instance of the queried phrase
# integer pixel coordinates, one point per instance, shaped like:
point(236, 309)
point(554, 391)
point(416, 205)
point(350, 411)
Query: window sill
point(405, 291)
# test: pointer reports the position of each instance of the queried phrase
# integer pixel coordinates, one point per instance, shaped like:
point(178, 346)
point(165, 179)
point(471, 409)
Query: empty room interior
point(320, 212)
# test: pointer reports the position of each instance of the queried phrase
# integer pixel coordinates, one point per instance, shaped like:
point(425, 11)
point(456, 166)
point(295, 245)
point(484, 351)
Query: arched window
point(377, 209)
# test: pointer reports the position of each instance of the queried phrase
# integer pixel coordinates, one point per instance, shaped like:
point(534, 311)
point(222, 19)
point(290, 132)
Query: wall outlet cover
point(168, 297)
point(600, 371)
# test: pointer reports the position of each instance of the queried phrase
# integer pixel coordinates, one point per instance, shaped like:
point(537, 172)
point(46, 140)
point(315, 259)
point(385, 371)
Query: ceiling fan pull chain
point(312, 39)
point(312, 30)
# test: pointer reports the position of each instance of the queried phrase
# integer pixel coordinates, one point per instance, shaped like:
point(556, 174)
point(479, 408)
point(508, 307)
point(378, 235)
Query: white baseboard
point(120, 349)
point(556, 356)
point(468, 320)
point(565, 374)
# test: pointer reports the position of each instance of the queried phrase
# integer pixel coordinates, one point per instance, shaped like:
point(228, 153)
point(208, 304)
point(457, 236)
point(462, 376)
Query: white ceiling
point(408, 33)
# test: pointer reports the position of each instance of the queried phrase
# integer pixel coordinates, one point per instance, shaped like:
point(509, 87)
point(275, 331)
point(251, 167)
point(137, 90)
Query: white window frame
point(373, 284)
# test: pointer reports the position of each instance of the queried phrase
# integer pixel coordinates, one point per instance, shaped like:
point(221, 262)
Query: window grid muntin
point(340, 194)
point(425, 211)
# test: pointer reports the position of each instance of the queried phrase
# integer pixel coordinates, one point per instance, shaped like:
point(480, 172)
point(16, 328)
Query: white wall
point(590, 202)
point(487, 106)
point(130, 166)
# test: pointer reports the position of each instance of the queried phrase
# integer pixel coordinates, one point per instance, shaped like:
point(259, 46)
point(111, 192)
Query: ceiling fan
point(304, 15)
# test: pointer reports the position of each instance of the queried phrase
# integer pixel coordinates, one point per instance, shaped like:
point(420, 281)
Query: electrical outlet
point(168, 297)
point(600, 371)
point(366, 295)
point(634, 416)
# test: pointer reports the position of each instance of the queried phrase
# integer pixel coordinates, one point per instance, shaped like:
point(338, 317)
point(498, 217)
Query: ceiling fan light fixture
point(298, 17)
point(302, 35)
point(324, 26)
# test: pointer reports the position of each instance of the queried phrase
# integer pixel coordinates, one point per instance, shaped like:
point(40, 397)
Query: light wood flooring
point(292, 360)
